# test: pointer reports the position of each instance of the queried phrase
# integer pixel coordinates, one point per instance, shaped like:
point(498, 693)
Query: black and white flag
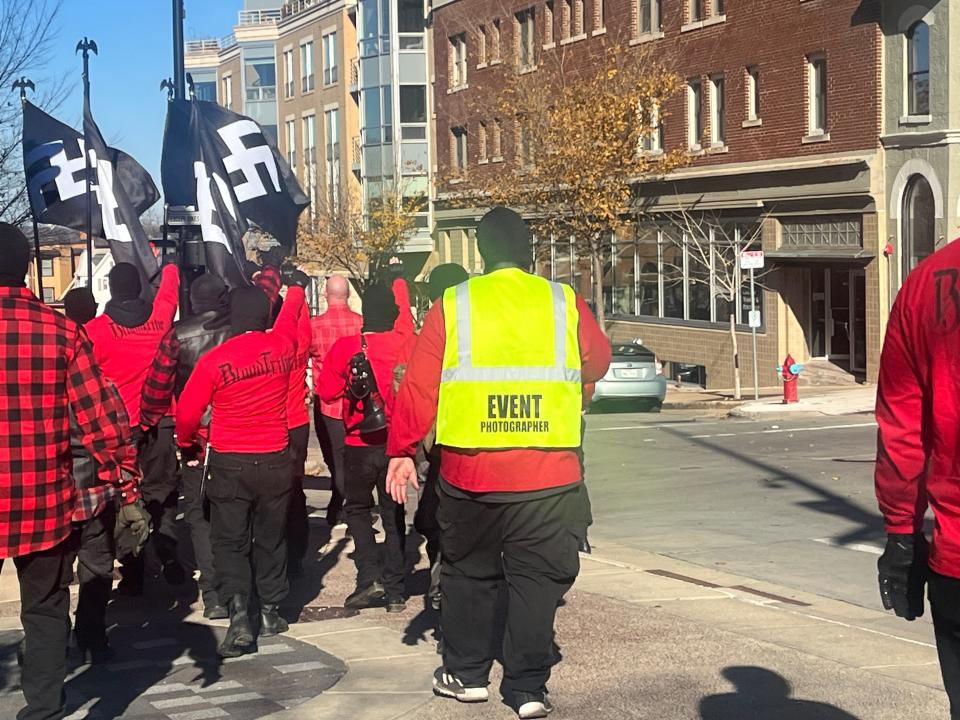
point(55, 169)
point(227, 167)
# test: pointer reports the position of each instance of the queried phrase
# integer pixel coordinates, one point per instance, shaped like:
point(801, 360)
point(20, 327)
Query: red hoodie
point(247, 381)
point(520, 470)
point(918, 408)
point(125, 355)
point(383, 349)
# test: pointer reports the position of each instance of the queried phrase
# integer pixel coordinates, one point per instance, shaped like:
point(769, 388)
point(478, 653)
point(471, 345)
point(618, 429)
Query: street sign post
point(752, 260)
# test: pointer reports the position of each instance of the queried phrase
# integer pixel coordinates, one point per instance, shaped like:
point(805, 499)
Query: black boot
point(239, 638)
point(270, 621)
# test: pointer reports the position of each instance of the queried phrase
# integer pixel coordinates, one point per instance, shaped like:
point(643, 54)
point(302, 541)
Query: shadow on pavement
point(762, 694)
point(870, 526)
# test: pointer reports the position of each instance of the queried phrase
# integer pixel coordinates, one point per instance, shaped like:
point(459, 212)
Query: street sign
point(755, 319)
point(751, 260)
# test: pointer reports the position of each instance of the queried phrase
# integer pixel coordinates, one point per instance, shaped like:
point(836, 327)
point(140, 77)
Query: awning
point(820, 256)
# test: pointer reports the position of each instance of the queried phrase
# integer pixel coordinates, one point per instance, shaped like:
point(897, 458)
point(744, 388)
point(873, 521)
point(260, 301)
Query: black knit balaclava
point(124, 282)
point(249, 310)
point(14, 256)
point(380, 309)
point(208, 293)
point(80, 305)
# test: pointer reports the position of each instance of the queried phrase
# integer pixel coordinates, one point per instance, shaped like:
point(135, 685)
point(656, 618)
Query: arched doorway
point(918, 229)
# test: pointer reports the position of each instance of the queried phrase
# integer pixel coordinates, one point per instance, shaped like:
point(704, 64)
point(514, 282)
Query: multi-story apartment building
point(61, 256)
point(781, 112)
point(318, 104)
point(345, 87)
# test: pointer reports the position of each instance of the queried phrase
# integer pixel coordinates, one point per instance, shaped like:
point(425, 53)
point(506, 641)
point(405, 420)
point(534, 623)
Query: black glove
point(298, 278)
point(133, 527)
point(274, 256)
point(903, 574)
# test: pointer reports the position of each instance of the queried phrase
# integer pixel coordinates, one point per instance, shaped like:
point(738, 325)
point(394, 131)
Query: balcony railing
point(354, 75)
point(294, 7)
point(357, 153)
point(228, 41)
point(202, 46)
point(259, 17)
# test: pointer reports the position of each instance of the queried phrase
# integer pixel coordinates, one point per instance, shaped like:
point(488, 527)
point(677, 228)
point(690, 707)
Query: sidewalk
point(643, 636)
point(820, 401)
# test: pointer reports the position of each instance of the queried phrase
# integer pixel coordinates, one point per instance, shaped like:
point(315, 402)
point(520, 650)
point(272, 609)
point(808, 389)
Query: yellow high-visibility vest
point(511, 368)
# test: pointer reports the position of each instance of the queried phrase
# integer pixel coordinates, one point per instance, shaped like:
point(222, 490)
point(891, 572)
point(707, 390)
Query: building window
point(718, 111)
point(918, 223)
point(228, 91)
point(495, 42)
point(410, 16)
point(330, 59)
point(482, 143)
point(918, 69)
point(458, 61)
point(653, 141)
point(525, 154)
point(496, 141)
point(599, 15)
point(261, 79)
point(696, 10)
point(307, 79)
point(526, 39)
point(292, 144)
point(548, 24)
point(48, 295)
point(829, 231)
point(413, 104)
point(695, 114)
point(566, 19)
point(458, 146)
point(46, 267)
point(578, 18)
point(817, 95)
point(310, 157)
point(719, 8)
point(482, 46)
point(332, 127)
point(288, 76)
point(648, 16)
point(753, 93)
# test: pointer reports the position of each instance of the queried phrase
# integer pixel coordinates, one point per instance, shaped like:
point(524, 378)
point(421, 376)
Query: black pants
point(45, 578)
point(425, 519)
point(298, 526)
point(95, 573)
point(331, 433)
point(197, 515)
point(160, 490)
point(532, 548)
point(945, 605)
point(366, 469)
point(249, 496)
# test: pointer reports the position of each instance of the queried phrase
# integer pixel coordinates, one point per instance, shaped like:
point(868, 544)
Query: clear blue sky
point(135, 42)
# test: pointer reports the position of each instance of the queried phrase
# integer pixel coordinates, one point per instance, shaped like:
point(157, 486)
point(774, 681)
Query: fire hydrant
point(790, 372)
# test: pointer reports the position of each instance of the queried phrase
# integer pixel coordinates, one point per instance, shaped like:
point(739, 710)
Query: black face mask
point(249, 310)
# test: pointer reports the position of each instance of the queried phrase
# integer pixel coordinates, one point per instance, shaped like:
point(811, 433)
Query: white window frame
point(549, 26)
point(291, 142)
point(817, 104)
point(653, 16)
point(333, 152)
point(309, 125)
point(482, 46)
point(718, 108)
point(289, 75)
point(458, 61)
point(482, 156)
point(308, 78)
point(458, 144)
point(695, 114)
point(331, 74)
point(599, 16)
point(526, 26)
point(228, 91)
point(496, 141)
point(652, 144)
point(754, 105)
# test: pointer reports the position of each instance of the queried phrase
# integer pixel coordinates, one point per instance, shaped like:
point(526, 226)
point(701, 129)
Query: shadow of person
point(762, 694)
point(322, 556)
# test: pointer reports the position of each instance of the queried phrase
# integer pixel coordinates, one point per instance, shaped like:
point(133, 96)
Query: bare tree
point(715, 242)
point(27, 33)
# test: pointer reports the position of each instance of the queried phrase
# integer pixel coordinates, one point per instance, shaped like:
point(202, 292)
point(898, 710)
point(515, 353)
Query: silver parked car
point(635, 375)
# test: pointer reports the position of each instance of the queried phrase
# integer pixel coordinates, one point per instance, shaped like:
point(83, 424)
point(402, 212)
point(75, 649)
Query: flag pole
point(85, 46)
point(179, 91)
point(22, 84)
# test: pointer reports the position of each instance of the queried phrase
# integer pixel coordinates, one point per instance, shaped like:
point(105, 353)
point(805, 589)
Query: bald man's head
point(337, 290)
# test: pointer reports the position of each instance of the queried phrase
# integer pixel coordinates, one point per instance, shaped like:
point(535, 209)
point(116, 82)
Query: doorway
point(838, 318)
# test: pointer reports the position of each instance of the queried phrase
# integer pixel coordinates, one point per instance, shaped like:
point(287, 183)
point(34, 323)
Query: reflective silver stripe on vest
point(465, 371)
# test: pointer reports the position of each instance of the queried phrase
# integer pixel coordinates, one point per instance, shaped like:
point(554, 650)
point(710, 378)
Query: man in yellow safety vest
point(499, 365)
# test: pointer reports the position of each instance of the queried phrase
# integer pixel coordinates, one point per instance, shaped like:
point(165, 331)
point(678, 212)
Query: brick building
point(782, 111)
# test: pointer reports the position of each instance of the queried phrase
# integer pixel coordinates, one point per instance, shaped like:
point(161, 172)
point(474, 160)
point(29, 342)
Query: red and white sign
point(751, 260)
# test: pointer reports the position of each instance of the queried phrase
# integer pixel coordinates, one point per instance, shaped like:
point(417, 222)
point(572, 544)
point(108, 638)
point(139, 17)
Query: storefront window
point(673, 272)
point(648, 262)
point(624, 294)
point(698, 280)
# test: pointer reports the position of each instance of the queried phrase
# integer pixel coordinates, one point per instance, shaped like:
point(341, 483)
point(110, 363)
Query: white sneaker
point(447, 685)
point(535, 709)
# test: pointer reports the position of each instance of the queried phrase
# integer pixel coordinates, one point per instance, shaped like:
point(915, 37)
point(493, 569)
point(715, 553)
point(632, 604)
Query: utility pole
point(87, 46)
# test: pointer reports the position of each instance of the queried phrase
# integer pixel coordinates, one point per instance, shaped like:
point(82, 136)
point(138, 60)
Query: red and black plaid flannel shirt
point(161, 380)
point(337, 322)
point(47, 367)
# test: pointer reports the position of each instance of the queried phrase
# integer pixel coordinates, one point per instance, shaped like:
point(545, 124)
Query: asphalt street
point(785, 501)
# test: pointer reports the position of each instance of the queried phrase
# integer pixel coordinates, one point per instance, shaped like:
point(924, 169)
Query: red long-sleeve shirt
point(383, 349)
point(918, 408)
point(126, 354)
point(481, 471)
point(246, 380)
point(337, 322)
point(297, 414)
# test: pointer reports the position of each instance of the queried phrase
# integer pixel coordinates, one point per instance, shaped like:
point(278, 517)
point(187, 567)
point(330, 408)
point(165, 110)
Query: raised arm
point(101, 420)
point(288, 320)
point(168, 295)
point(401, 296)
